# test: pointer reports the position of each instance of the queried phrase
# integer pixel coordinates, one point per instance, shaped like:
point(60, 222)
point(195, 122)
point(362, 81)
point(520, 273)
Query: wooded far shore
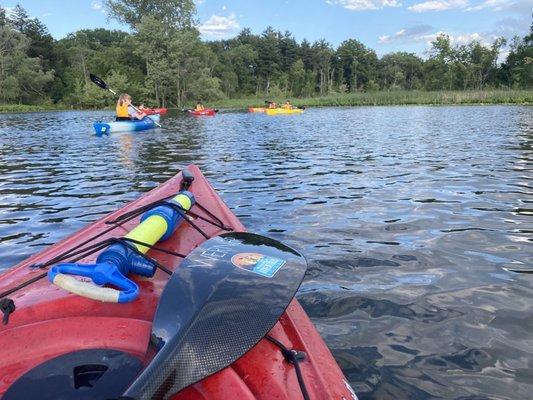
point(379, 98)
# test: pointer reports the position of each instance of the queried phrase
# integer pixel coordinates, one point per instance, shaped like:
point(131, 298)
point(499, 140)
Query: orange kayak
point(256, 109)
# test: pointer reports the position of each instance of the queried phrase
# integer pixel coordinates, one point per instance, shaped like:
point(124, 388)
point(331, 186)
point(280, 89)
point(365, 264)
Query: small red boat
point(205, 112)
point(152, 111)
point(52, 337)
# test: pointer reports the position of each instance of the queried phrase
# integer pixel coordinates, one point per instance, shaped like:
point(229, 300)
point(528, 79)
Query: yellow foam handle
point(154, 227)
point(149, 232)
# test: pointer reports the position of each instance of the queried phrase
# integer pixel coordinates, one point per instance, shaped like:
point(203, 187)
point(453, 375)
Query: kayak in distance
point(205, 112)
point(256, 109)
point(187, 305)
point(153, 111)
point(279, 111)
point(134, 125)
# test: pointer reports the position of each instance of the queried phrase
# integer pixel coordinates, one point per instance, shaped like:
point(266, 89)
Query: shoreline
point(380, 98)
point(393, 98)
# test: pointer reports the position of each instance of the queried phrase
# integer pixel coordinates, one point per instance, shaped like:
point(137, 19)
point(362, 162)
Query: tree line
point(164, 62)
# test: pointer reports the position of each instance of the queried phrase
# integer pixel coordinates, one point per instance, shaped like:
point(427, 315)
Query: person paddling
point(199, 106)
point(124, 110)
point(287, 105)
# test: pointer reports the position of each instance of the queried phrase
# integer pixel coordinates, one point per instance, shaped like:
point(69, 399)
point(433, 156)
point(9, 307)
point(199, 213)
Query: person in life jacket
point(199, 106)
point(287, 105)
point(124, 110)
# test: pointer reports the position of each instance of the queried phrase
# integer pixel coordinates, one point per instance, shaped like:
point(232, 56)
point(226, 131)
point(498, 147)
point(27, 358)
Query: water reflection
point(408, 216)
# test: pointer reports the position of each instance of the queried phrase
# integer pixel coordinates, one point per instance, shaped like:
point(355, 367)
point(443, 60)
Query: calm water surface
point(407, 215)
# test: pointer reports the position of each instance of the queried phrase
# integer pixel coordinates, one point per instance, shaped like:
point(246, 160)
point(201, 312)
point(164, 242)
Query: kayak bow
point(58, 345)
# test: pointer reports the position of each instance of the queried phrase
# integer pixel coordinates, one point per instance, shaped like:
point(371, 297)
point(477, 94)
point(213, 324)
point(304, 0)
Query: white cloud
point(9, 11)
point(438, 5)
point(494, 4)
point(361, 5)
point(97, 5)
point(518, 6)
point(46, 14)
point(412, 33)
point(422, 34)
point(218, 26)
point(485, 39)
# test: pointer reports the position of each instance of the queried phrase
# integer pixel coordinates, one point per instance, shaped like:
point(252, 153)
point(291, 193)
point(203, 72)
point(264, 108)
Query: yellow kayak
point(277, 111)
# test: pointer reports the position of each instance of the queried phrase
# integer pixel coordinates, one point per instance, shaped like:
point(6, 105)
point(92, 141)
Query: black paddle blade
point(98, 81)
point(226, 295)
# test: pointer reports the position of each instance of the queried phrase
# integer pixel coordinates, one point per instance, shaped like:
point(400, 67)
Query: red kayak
point(152, 111)
point(206, 112)
point(50, 335)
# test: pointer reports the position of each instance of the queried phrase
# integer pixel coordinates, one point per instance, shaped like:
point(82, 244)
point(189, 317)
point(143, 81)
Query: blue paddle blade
point(225, 297)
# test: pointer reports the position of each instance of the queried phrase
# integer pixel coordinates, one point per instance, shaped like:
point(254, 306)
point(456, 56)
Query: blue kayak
point(105, 128)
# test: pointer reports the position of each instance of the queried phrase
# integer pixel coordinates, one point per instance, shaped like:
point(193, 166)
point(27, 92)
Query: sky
point(383, 25)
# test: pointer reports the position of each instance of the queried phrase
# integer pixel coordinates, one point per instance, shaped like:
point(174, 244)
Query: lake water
point(408, 216)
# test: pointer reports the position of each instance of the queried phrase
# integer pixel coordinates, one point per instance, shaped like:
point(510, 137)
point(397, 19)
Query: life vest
point(122, 110)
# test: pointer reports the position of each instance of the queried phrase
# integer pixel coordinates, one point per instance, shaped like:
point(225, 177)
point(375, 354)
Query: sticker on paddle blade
point(258, 263)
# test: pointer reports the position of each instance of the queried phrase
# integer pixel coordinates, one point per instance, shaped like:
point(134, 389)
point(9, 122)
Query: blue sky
point(384, 25)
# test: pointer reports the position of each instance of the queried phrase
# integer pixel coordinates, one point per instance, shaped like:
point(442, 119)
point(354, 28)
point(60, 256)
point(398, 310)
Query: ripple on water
point(408, 217)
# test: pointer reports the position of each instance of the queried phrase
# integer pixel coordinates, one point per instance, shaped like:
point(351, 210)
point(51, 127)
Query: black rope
point(87, 251)
point(79, 254)
point(219, 224)
point(23, 285)
point(215, 221)
point(294, 357)
point(138, 211)
point(183, 213)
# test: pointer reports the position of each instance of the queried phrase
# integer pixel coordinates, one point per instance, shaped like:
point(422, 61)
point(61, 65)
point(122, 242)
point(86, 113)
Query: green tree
point(268, 58)
point(518, 66)
point(297, 78)
point(357, 64)
point(400, 71)
point(323, 65)
point(22, 78)
point(173, 14)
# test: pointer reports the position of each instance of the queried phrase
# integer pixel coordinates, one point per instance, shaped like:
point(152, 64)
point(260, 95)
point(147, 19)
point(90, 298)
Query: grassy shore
point(20, 108)
point(400, 97)
point(393, 98)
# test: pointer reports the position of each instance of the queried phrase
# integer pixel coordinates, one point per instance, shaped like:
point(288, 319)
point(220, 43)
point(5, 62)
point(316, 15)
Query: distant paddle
point(101, 83)
point(224, 297)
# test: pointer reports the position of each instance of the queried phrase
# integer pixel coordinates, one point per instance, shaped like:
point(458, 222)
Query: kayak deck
point(49, 322)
